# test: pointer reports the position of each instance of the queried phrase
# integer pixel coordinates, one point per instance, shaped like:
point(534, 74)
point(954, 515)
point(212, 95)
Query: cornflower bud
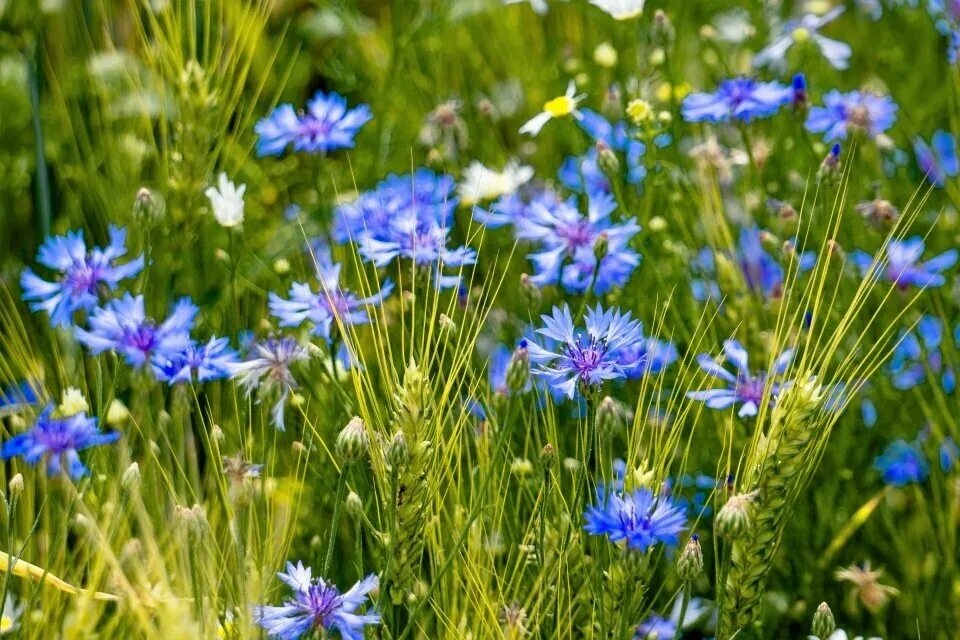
point(823, 622)
point(353, 442)
point(734, 518)
point(690, 562)
point(518, 369)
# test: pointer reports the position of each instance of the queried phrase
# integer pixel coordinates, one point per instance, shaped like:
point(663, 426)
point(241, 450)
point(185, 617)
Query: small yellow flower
point(605, 55)
point(639, 111)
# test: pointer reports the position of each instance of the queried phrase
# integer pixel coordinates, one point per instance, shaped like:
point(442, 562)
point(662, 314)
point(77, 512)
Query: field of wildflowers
point(479, 319)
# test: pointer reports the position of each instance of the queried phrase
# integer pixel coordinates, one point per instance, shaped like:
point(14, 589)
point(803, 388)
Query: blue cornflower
point(583, 174)
point(123, 326)
point(902, 463)
point(648, 355)
point(83, 276)
point(584, 359)
point(268, 371)
point(869, 112)
point(704, 285)
point(918, 352)
point(569, 245)
point(317, 605)
point(327, 125)
point(656, 627)
point(210, 361)
point(514, 207)
point(14, 397)
point(804, 30)
point(57, 441)
point(903, 267)
point(742, 99)
point(406, 217)
point(937, 160)
point(745, 388)
point(325, 308)
point(637, 518)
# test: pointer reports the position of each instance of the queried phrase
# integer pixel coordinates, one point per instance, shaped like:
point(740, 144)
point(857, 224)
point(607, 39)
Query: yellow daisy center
point(558, 107)
point(801, 34)
point(6, 624)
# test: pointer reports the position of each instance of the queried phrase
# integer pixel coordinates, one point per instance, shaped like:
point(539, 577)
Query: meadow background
point(842, 489)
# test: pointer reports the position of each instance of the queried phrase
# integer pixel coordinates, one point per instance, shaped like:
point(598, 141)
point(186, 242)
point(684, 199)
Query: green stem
point(334, 525)
point(44, 207)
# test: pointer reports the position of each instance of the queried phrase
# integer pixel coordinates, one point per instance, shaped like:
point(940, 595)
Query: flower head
point(328, 306)
point(743, 387)
point(902, 463)
point(481, 183)
point(569, 242)
point(123, 326)
point(317, 605)
point(861, 110)
point(918, 352)
point(201, 361)
point(742, 99)
point(903, 266)
point(327, 125)
point(620, 9)
point(584, 359)
point(656, 627)
point(407, 217)
point(937, 160)
point(802, 31)
point(83, 276)
point(559, 107)
point(637, 518)
point(226, 200)
point(268, 371)
point(56, 442)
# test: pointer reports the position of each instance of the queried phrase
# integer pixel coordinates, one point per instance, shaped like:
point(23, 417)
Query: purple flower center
point(143, 338)
point(738, 91)
point(321, 601)
point(751, 389)
point(314, 129)
point(586, 358)
point(578, 234)
point(82, 278)
point(56, 437)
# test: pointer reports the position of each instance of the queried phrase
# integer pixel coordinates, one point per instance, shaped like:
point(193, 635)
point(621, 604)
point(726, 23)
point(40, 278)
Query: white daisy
point(227, 201)
point(483, 183)
point(565, 105)
point(620, 9)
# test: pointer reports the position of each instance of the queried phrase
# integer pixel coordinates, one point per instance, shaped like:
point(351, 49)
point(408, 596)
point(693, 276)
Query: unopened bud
point(610, 417)
point(607, 160)
point(734, 518)
point(130, 481)
point(830, 167)
point(447, 326)
point(823, 622)
point(354, 504)
point(690, 562)
point(353, 442)
point(16, 486)
point(398, 453)
point(663, 32)
point(601, 246)
point(518, 369)
point(548, 457)
point(800, 100)
point(530, 292)
point(148, 207)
